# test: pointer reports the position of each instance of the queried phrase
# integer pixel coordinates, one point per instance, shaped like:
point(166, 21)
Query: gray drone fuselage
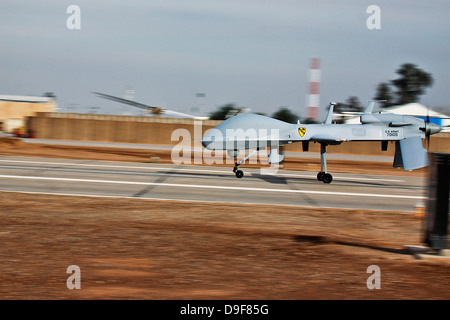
point(247, 131)
point(252, 131)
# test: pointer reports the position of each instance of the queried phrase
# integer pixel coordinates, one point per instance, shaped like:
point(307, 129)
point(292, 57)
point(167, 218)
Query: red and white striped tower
point(312, 99)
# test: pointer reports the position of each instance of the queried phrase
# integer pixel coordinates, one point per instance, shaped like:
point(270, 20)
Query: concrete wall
point(152, 130)
point(129, 129)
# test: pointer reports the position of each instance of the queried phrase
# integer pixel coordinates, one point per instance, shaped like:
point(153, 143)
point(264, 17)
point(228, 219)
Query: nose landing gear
point(239, 173)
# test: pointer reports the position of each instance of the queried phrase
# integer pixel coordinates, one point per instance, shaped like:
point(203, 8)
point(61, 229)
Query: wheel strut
point(240, 173)
point(323, 175)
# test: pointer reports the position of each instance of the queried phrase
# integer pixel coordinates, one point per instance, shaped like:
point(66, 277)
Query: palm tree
point(411, 84)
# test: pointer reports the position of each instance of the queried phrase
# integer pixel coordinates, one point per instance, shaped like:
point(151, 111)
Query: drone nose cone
point(433, 128)
point(207, 142)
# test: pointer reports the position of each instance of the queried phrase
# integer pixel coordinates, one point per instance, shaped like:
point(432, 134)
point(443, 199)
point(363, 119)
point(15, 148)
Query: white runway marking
point(214, 187)
point(189, 170)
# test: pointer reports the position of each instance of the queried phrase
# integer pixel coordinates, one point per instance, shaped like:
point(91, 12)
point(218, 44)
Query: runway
point(208, 183)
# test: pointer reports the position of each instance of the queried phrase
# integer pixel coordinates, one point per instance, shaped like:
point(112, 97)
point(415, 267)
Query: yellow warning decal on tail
point(302, 131)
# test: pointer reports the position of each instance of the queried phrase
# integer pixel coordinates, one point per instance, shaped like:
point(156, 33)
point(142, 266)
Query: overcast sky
point(252, 53)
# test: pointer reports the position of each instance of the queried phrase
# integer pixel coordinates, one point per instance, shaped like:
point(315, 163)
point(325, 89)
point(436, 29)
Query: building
point(416, 110)
point(14, 110)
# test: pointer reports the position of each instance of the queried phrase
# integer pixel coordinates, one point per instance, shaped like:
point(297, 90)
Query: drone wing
point(125, 101)
point(156, 110)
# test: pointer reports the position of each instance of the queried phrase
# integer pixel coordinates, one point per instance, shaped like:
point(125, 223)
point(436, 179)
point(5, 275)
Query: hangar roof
point(413, 109)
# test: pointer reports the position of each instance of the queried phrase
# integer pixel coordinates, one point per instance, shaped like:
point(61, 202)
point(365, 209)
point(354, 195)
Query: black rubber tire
point(327, 178)
point(239, 173)
point(320, 175)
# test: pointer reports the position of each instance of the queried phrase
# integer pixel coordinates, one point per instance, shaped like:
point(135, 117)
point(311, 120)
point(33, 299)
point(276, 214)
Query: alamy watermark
point(73, 22)
point(374, 20)
point(233, 145)
point(374, 281)
point(74, 280)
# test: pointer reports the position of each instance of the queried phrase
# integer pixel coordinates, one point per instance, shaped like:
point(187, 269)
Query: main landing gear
point(323, 175)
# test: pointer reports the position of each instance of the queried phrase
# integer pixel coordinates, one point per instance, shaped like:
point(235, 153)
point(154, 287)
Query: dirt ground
point(147, 249)
point(164, 250)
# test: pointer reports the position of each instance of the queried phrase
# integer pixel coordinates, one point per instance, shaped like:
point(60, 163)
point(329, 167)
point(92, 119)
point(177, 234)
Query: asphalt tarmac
point(208, 183)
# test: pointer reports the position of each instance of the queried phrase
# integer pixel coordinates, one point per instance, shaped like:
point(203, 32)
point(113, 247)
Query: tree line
point(407, 88)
